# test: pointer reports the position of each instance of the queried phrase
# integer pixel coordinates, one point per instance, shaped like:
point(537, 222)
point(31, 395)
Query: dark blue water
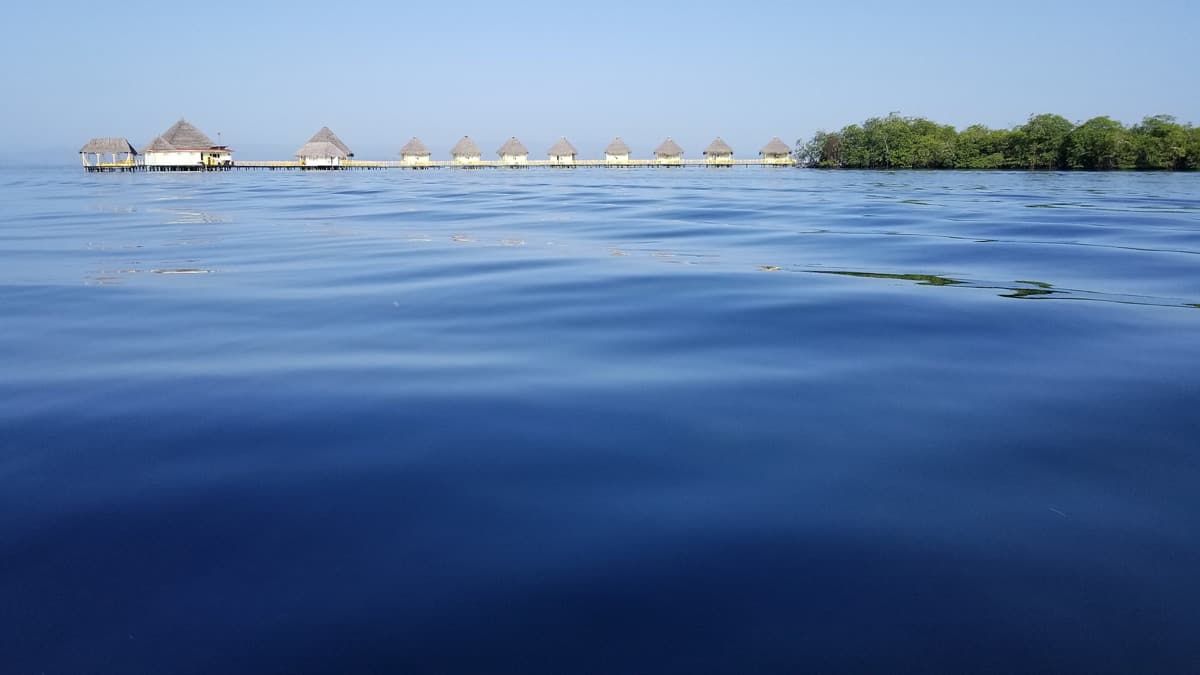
point(599, 421)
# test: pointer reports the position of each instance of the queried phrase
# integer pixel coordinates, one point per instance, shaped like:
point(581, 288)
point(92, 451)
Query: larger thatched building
point(513, 152)
point(414, 152)
point(118, 151)
point(465, 151)
point(184, 147)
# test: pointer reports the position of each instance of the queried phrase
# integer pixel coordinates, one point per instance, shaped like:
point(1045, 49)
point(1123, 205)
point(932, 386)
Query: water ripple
point(598, 421)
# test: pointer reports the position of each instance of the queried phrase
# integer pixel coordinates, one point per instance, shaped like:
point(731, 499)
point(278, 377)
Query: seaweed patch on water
point(922, 279)
point(1026, 292)
point(1020, 289)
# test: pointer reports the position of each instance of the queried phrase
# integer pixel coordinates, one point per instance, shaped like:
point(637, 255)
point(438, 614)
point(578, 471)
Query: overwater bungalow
point(513, 152)
point(719, 153)
point(323, 151)
point(776, 152)
point(119, 153)
point(183, 147)
point(465, 151)
point(321, 155)
point(325, 135)
point(617, 151)
point(669, 152)
point(414, 152)
point(562, 152)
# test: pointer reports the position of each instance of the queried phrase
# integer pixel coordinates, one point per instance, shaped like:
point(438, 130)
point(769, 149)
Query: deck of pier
point(119, 165)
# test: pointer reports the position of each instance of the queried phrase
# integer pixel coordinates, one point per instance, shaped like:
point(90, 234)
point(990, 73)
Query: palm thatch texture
point(513, 148)
point(775, 147)
point(415, 148)
point(718, 148)
point(562, 148)
point(184, 136)
point(108, 146)
point(159, 144)
point(668, 149)
point(321, 150)
point(617, 147)
point(327, 136)
point(465, 147)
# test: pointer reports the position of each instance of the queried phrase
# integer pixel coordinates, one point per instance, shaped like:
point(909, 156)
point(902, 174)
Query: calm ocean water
point(599, 421)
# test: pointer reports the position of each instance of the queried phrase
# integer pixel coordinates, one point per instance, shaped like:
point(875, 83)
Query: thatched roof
point(159, 144)
point(512, 147)
point(184, 136)
point(775, 147)
point(718, 147)
point(465, 147)
point(562, 147)
point(415, 147)
point(327, 136)
point(321, 149)
point(108, 146)
point(668, 148)
point(617, 147)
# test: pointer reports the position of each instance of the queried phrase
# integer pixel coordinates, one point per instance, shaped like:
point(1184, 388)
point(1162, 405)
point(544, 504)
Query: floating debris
point(769, 268)
point(923, 279)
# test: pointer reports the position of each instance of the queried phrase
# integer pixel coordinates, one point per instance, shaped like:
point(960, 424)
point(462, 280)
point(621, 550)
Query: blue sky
point(269, 74)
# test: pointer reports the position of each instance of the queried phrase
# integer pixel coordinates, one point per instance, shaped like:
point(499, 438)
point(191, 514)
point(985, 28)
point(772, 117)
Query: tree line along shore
point(1045, 142)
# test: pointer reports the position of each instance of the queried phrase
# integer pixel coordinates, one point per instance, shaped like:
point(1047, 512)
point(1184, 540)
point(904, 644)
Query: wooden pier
point(183, 147)
point(359, 164)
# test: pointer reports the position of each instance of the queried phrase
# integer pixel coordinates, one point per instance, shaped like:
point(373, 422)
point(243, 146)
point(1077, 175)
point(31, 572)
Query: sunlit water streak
point(599, 421)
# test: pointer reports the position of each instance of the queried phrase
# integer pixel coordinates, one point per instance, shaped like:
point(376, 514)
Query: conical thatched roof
point(718, 147)
point(465, 147)
point(512, 147)
point(668, 148)
point(322, 150)
point(775, 147)
point(159, 144)
point(108, 146)
point(617, 147)
point(327, 136)
point(415, 147)
point(184, 136)
point(562, 147)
